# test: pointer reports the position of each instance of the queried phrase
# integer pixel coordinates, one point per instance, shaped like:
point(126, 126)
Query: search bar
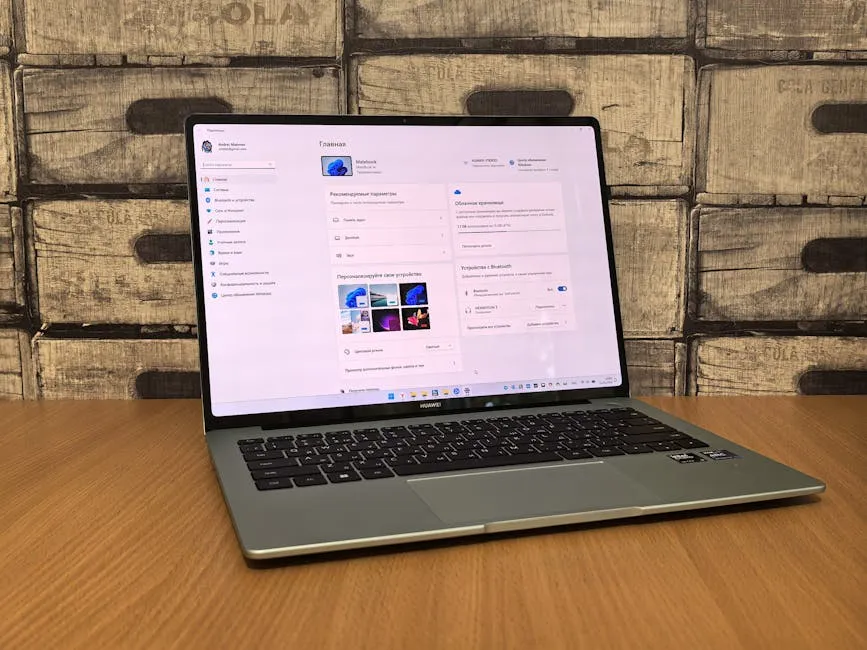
point(225, 165)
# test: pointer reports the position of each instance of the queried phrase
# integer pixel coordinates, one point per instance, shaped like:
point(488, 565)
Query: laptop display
point(348, 265)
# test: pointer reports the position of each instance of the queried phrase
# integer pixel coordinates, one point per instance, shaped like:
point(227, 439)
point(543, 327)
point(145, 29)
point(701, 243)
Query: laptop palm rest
point(526, 492)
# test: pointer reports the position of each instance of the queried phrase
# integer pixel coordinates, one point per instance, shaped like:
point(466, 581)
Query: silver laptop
point(409, 330)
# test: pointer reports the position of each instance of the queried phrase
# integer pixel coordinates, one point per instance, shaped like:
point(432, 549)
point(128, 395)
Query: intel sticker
point(686, 458)
point(720, 454)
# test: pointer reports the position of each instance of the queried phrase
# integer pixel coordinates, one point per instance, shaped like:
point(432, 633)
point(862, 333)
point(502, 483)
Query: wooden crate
point(650, 250)
point(656, 367)
point(5, 26)
point(521, 19)
point(11, 264)
point(113, 261)
point(644, 102)
point(16, 380)
point(8, 155)
point(125, 125)
point(116, 369)
point(757, 27)
point(782, 264)
point(782, 133)
point(286, 28)
point(758, 365)
point(128, 261)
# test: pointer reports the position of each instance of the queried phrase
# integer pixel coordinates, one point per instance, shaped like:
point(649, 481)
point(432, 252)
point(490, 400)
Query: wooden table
point(114, 535)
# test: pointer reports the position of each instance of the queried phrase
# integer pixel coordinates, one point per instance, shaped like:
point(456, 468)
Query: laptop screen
point(361, 264)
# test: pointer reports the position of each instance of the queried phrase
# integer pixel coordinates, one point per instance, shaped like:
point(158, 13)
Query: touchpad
point(517, 493)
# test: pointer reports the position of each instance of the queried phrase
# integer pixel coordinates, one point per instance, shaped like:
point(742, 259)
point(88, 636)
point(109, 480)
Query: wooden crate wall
point(734, 135)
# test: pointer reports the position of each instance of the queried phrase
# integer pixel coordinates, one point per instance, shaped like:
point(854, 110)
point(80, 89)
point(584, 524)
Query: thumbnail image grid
point(383, 307)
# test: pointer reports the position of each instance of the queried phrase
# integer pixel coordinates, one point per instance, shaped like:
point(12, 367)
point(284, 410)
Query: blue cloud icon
point(457, 191)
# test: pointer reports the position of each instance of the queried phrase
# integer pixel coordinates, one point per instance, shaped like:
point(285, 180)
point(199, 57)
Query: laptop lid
point(354, 268)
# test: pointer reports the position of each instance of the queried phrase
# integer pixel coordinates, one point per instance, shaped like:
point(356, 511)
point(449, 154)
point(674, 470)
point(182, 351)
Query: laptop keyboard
point(310, 459)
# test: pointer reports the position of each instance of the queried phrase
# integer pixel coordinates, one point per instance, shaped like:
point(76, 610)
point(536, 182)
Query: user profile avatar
point(415, 318)
point(413, 293)
point(207, 147)
point(352, 296)
point(337, 165)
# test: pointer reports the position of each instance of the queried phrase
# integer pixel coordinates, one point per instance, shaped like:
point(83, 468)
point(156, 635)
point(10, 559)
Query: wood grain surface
point(644, 102)
point(5, 26)
point(761, 134)
point(656, 367)
point(115, 536)
point(115, 369)
point(164, 27)
point(650, 255)
point(92, 264)
point(11, 383)
point(8, 154)
point(763, 365)
point(11, 263)
point(521, 18)
point(811, 25)
point(125, 125)
point(775, 264)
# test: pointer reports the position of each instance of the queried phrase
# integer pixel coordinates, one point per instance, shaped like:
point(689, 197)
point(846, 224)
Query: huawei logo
point(430, 405)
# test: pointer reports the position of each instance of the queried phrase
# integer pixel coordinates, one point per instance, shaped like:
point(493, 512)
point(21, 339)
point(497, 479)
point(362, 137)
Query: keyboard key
point(274, 484)
point(547, 446)
point(574, 454)
point(343, 477)
point(263, 455)
point(664, 446)
point(315, 459)
point(647, 438)
point(636, 449)
point(251, 441)
point(692, 443)
point(604, 452)
point(346, 457)
point(273, 438)
point(280, 444)
point(647, 428)
point(369, 464)
point(308, 436)
point(361, 446)
point(271, 464)
point(377, 472)
point(277, 472)
point(333, 468)
point(474, 463)
point(298, 470)
point(249, 449)
point(312, 479)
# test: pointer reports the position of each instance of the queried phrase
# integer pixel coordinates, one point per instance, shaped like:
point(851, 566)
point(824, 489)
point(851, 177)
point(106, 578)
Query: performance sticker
point(687, 458)
point(720, 454)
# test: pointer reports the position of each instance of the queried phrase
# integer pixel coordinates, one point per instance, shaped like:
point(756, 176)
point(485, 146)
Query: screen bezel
point(337, 415)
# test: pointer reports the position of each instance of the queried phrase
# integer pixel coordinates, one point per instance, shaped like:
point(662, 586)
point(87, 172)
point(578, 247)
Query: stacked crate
point(780, 274)
point(104, 88)
point(562, 57)
point(734, 133)
point(15, 361)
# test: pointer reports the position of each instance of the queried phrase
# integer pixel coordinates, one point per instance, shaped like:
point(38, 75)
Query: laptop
point(409, 330)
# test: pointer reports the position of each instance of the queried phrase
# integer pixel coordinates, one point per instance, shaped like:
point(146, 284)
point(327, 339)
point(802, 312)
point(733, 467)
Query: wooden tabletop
point(113, 534)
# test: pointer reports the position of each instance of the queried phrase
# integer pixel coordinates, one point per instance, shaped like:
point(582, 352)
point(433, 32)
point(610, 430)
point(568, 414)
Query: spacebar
point(474, 463)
